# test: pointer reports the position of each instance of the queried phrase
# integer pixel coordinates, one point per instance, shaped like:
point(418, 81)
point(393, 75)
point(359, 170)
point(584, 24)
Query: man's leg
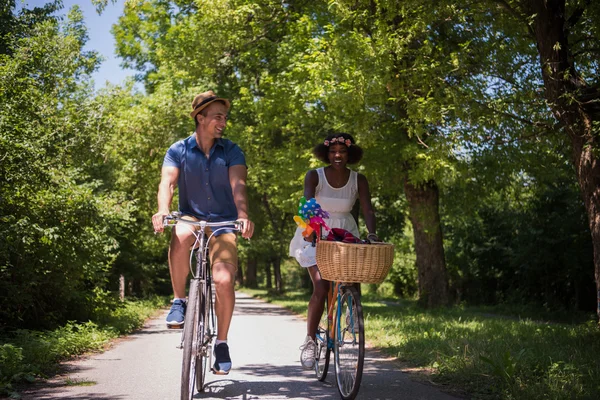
point(179, 258)
point(179, 255)
point(224, 279)
point(223, 256)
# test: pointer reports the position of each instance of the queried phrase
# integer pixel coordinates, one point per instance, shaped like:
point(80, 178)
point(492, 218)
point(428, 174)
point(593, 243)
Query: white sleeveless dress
point(338, 202)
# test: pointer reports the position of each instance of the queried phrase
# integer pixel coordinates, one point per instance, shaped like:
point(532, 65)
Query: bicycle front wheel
point(322, 340)
point(190, 342)
point(349, 345)
point(203, 338)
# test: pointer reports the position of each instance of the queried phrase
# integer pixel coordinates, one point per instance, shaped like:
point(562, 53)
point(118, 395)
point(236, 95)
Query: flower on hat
point(340, 140)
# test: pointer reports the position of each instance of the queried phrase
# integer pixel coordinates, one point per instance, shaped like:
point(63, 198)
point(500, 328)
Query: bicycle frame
point(335, 292)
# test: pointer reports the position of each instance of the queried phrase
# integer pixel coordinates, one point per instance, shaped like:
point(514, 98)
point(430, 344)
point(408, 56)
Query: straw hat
point(203, 100)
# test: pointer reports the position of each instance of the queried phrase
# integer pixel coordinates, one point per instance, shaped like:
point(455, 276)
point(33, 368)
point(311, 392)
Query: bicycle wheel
point(323, 350)
point(204, 343)
point(349, 342)
point(190, 342)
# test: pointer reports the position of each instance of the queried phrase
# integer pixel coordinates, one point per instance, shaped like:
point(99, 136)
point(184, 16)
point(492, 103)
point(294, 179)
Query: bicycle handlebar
point(175, 217)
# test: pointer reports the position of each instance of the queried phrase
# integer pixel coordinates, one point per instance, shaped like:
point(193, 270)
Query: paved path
point(263, 341)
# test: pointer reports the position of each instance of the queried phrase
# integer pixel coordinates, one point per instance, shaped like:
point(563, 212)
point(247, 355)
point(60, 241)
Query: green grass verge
point(488, 356)
point(27, 354)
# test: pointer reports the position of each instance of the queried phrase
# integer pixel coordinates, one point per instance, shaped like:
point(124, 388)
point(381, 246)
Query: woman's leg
point(317, 300)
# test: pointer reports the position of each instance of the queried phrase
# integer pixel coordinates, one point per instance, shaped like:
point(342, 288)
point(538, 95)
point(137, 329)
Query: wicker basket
point(350, 262)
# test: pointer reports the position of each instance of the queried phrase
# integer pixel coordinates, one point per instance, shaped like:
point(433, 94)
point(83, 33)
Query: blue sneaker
point(222, 364)
point(176, 315)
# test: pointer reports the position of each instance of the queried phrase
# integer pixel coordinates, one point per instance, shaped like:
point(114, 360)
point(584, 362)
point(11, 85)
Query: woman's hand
point(310, 238)
point(373, 238)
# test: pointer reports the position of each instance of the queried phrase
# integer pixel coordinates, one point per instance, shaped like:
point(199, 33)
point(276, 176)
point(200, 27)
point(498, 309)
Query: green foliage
point(523, 239)
point(56, 220)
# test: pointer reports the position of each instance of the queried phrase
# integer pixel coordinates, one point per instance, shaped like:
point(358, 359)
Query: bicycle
point(341, 327)
point(199, 329)
point(343, 334)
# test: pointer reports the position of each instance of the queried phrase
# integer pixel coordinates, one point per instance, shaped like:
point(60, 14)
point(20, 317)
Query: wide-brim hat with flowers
point(203, 100)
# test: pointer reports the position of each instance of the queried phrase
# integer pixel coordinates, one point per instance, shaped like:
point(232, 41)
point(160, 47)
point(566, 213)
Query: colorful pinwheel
point(310, 216)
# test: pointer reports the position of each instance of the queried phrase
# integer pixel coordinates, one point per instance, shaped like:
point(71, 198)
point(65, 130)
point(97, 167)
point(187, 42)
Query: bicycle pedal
point(180, 326)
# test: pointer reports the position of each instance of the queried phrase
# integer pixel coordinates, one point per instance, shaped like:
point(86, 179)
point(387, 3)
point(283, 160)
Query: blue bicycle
point(341, 329)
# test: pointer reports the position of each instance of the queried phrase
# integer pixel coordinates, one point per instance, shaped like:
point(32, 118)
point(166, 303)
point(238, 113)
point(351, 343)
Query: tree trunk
point(251, 273)
point(277, 272)
point(423, 201)
point(121, 287)
point(574, 104)
point(269, 275)
point(239, 275)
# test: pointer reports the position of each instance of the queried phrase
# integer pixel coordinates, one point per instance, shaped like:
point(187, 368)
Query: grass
point(26, 354)
point(79, 382)
point(486, 355)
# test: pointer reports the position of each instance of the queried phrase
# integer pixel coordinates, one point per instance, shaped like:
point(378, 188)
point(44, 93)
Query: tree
point(56, 248)
point(566, 36)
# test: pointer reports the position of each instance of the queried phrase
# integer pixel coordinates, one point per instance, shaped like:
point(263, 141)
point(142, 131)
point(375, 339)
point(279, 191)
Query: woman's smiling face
point(338, 155)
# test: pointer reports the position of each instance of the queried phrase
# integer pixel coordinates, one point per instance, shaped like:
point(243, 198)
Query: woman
point(336, 188)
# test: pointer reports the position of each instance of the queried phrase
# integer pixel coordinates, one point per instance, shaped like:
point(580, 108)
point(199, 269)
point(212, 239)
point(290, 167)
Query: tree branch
point(518, 16)
point(594, 50)
point(575, 17)
point(536, 124)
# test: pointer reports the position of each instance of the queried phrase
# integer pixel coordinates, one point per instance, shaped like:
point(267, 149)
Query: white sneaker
point(307, 356)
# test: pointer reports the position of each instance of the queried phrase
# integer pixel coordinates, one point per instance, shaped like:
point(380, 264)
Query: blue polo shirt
point(204, 188)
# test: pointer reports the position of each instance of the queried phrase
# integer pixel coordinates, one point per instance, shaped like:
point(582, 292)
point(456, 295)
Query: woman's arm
point(311, 180)
point(364, 195)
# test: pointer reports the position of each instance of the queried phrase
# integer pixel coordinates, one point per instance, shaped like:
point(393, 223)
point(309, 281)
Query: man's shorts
point(222, 248)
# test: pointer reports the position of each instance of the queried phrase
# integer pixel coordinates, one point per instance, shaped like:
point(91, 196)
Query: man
point(211, 175)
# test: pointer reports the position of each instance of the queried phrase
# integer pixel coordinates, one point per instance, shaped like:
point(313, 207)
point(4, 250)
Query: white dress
point(338, 202)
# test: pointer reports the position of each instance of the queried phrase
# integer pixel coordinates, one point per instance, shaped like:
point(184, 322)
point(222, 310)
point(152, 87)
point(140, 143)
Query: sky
point(100, 38)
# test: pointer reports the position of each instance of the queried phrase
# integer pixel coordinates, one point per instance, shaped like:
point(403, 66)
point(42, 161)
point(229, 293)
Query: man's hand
point(157, 221)
point(247, 228)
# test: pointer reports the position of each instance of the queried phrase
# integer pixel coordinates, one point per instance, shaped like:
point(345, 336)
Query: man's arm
point(166, 188)
point(237, 179)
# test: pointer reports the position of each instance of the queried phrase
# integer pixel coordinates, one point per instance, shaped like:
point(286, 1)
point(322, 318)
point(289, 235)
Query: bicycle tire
point(204, 344)
point(323, 349)
point(190, 329)
point(349, 343)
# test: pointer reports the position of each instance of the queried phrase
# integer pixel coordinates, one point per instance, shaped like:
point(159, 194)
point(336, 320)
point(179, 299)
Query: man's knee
point(223, 274)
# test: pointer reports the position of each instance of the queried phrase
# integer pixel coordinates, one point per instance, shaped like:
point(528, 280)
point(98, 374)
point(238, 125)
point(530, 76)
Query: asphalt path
point(263, 341)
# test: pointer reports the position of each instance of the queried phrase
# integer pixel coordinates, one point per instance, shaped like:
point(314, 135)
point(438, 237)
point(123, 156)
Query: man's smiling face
point(214, 121)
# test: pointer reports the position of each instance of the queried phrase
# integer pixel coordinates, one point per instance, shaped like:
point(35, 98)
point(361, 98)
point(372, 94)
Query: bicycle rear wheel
point(190, 342)
point(322, 340)
point(349, 345)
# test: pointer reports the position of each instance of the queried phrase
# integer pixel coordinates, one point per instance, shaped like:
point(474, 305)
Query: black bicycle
point(200, 327)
